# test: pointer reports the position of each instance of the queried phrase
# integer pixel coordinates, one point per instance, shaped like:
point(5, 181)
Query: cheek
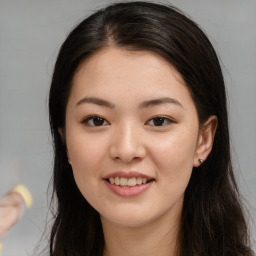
point(174, 164)
point(82, 156)
point(86, 156)
point(174, 154)
point(85, 151)
point(85, 161)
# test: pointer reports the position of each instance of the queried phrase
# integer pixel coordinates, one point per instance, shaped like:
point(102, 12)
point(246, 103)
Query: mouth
point(129, 182)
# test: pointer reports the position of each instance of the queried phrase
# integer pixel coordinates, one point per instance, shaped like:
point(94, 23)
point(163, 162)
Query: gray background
point(30, 35)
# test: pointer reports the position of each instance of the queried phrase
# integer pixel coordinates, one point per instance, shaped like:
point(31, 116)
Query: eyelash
point(165, 119)
point(92, 118)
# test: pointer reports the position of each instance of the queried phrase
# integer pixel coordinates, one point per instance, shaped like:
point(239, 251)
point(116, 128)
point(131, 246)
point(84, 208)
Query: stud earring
point(201, 161)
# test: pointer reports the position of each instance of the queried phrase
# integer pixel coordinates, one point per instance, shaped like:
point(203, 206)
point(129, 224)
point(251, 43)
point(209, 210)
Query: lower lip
point(128, 191)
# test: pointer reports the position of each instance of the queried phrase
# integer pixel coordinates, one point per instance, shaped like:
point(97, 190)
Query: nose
point(127, 144)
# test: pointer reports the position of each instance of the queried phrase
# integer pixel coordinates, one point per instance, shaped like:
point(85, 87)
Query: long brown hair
point(213, 222)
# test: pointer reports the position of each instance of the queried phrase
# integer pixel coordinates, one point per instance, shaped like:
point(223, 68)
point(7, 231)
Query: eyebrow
point(144, 104)
point(96, 101)
point(155, 102)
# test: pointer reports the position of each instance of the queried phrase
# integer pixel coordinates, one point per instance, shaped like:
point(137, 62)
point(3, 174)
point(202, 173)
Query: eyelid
point(86, 119)
point(170, 120)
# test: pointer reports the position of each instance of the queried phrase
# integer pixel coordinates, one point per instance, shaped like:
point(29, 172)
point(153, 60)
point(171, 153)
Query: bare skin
point(10, 208)
point(131, 112)
point(156, 238)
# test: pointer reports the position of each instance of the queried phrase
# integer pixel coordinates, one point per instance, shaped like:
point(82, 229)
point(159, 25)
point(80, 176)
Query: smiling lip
point(127, 175)
point(128, 191)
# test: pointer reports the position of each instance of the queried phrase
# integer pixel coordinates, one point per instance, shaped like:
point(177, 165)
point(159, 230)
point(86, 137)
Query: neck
point(159, 237)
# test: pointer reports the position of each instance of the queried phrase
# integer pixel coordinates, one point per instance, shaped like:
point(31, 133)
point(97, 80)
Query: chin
point(128, 218)
point(128, 222)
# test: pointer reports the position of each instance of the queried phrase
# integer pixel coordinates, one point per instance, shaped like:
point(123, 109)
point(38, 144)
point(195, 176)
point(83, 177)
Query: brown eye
point(95, 121)
point(159, 121)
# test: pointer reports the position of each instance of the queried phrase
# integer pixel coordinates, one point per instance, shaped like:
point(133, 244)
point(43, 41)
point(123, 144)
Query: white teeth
point(132, 182)
point(117, 181)
point(139, 181)
point(127, 182)
point(123, 181)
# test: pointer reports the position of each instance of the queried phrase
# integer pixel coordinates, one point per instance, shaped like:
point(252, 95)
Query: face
point(132, 135)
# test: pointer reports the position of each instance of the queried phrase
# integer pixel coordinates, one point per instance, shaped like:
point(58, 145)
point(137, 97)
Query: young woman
point(140, 128)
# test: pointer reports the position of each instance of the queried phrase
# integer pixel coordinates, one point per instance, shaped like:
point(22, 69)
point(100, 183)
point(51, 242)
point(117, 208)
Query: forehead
point(111, 59)
point(121, 74)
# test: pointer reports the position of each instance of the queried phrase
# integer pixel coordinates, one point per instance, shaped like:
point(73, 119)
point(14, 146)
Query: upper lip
point(128, 175)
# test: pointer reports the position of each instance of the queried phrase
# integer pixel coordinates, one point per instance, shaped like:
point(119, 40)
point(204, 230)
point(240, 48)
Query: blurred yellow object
point(12, 207)
point(25, 193)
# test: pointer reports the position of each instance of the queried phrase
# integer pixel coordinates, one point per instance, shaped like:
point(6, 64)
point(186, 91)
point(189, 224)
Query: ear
point(205, 140)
